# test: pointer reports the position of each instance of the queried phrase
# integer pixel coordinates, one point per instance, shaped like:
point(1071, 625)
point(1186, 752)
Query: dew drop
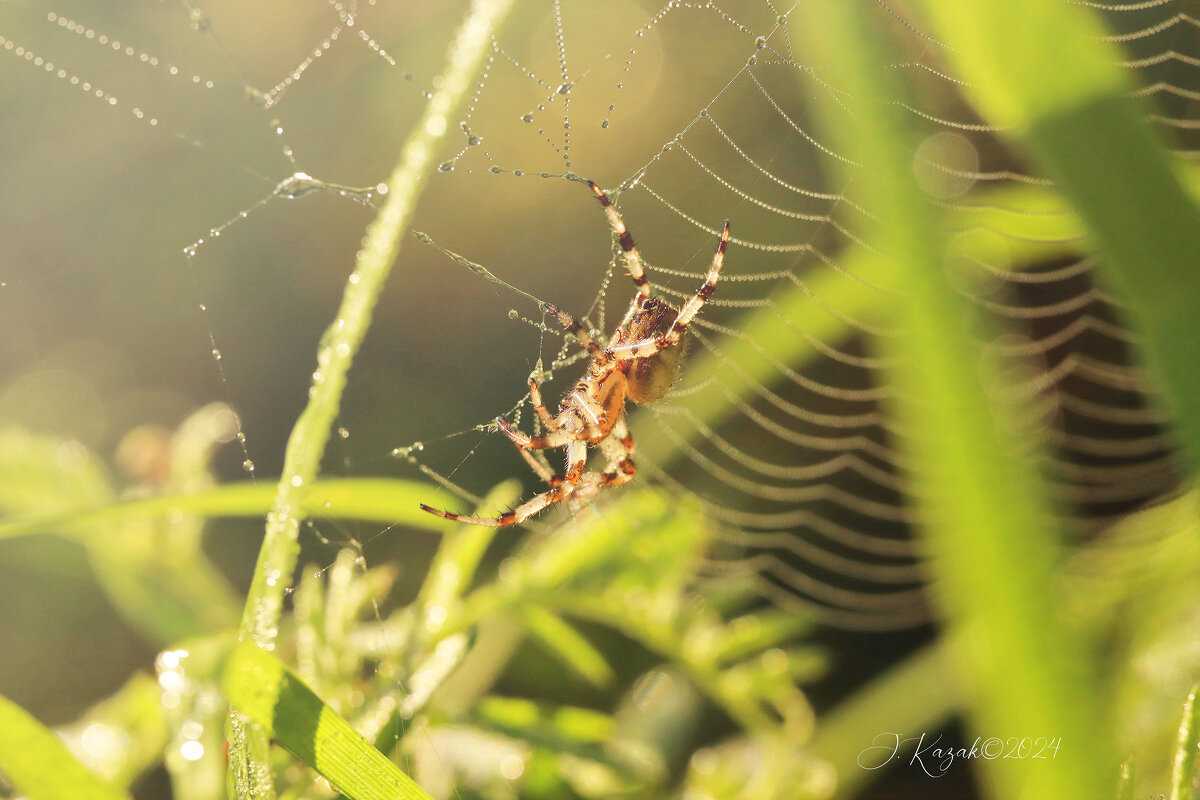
point(565, 88)
point(604, 123)
point(760, 42)
point(248, 465)
point(527, 117)
point(518, 172)
point(216, 354)
point(446, 166)
point(513, 314)
point(494, 169)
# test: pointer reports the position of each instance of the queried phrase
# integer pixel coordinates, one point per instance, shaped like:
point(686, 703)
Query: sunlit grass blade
point(1058, 85)
point(981, 507)
point(39, 765)
point(382, 500)
point(258, 685)
point(339, 345)
point(1183, 768)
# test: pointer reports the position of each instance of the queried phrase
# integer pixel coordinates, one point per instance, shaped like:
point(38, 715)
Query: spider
point(640, 362)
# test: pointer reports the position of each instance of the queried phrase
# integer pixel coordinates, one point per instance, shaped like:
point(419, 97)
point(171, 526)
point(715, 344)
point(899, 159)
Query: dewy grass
point(306, 444)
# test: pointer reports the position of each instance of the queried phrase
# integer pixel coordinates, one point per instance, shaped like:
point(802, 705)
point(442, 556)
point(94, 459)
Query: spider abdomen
point(650, 378)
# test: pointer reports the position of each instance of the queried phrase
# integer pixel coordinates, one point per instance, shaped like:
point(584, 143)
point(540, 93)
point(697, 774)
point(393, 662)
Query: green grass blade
point(381, 500)
point(306, 444)
point(1057, 83)
point(568, 645)
point(39, 765)
point(1183, 769)
point(983, 515)
point(258, 685)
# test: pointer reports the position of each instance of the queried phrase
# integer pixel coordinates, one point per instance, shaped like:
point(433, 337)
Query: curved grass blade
point(307, 441)
point(259, 686)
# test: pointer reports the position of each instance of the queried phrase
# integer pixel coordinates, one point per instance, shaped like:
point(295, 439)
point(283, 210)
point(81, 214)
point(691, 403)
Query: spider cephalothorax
point(640, 363)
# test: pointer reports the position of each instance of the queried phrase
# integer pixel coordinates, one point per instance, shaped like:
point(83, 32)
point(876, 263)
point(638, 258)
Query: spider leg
point(648, 347)
point(705, 291)
point(634, 305)
point(618, 448)
point(639, 349)
point(569, 322)
point(535, 397)
point(576, 458)
point(555, 438)
point(538, 466)
point(633, 261)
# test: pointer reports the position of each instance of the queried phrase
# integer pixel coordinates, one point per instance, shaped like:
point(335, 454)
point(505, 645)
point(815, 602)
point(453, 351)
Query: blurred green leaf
point(981, 507)
point(36, 762)
point(1059, 84)
point(563, 641)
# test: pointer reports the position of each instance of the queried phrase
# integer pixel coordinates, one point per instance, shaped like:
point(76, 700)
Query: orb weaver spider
point(640, 362)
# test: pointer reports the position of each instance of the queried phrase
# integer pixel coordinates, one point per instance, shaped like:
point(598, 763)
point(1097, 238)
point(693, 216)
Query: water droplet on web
point(248, 465)
point(494, 169)
point(604, 123)
point(751, 61)
point(513, 313)
point(473, 140)
point(760, 42)
point(518, 172)
point(342, 432)
point(527, 117)
point(446, 166)
point(216, 354)
point(200, 21)
point(565, 88)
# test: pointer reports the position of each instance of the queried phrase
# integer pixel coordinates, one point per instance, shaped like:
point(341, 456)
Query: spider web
point(688, 112)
